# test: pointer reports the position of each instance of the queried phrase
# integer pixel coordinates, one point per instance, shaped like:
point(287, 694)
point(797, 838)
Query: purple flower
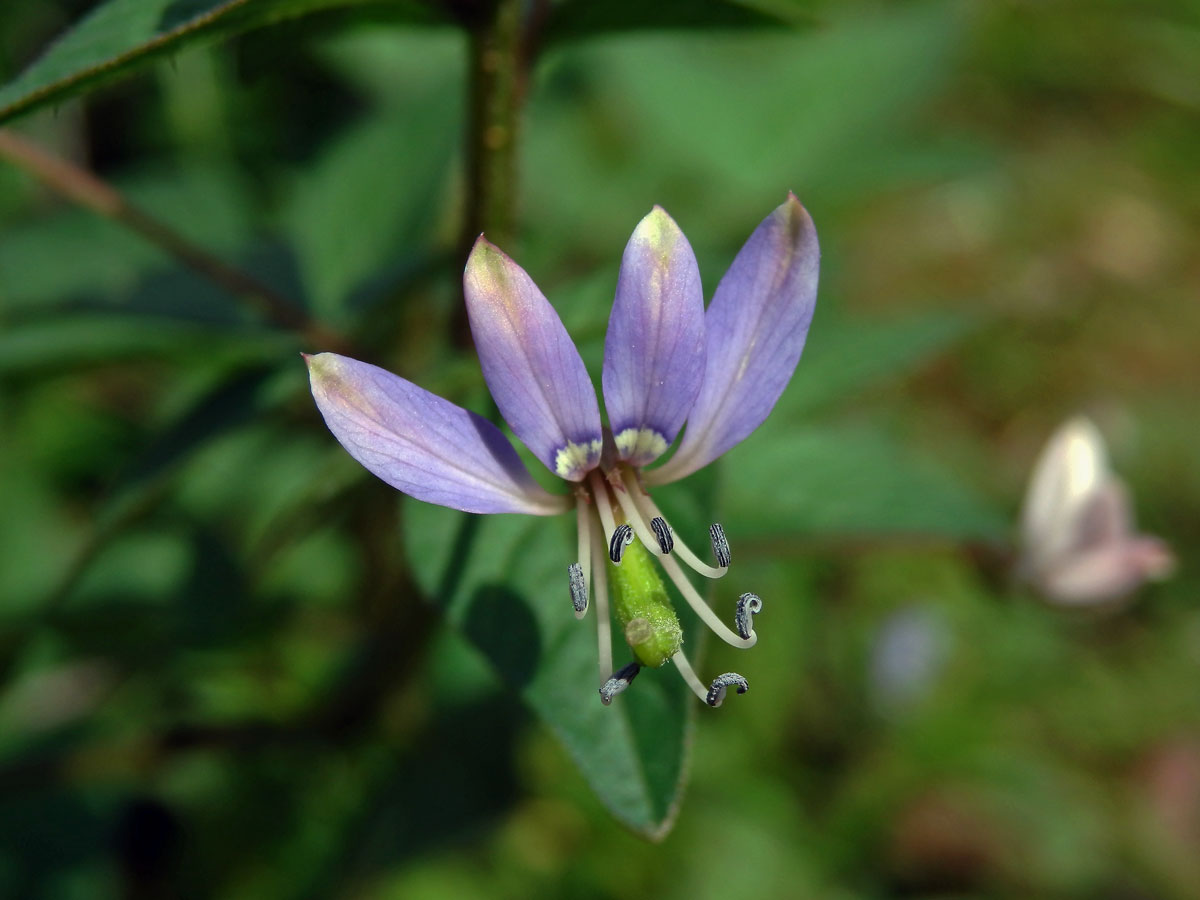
point(667, 362)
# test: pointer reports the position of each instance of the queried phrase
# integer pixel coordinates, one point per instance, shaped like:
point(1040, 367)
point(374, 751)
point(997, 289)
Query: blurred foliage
point(219, 677)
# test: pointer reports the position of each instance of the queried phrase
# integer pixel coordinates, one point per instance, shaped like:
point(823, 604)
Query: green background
point(234, 665)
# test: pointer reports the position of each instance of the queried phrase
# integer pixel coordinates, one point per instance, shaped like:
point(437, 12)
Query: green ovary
point(643, 608)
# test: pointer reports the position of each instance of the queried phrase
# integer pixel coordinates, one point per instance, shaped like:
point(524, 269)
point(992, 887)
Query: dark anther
point(579, 590)
point(620, 680)
point(622, 537)
point(716, 692)
point(720, 544)
point(748, 606)
point(662, 531)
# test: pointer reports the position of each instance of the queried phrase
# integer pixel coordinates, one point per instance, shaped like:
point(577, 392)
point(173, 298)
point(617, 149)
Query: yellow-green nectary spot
point(643, 608)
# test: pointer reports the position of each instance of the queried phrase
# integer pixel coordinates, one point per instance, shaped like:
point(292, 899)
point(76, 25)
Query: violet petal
point(654, 349)
point(421, 444)
point(530, 364)
point(755, 330)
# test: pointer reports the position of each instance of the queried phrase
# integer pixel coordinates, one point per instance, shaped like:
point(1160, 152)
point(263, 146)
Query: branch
point(90, 192)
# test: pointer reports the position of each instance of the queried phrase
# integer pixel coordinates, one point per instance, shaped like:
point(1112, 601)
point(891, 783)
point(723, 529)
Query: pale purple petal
point(654, 350)
point(1107, 571)
point(531, 366)
point(421, 444)
point(755, 331)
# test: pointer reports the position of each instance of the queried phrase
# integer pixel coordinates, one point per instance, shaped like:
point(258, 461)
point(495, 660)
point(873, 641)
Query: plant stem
point(91, 192)
point(496, 91)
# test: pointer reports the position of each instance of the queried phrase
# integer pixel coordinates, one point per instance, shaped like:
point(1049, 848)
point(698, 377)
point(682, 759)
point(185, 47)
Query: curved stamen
point(603, 622)
point(722, 683)
point(720, 544)
point(621, 538)
point(702, 609)
point(748, 606)
point(619, 681)
point(579, 591)
point(662, 532)
point(689, 675)
point(650, 511)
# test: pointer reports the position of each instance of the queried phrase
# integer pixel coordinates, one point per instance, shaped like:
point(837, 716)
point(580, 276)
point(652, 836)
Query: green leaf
point(502, 581)
point(576, 19)
point(373, 196)
point(91, 339)
point(844, 356)
point(846, 482)
point(121, 36)
point(206, 204)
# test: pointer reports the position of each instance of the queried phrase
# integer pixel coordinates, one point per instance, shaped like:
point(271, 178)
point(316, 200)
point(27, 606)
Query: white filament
point(603, 622)
point(702, 609)
point(685, 669)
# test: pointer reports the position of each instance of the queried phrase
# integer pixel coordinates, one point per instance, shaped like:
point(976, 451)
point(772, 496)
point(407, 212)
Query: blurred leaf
point(82, 340)
point(576, 19)
point(206, 204)
point(842, 357)
point(845, 482)
point(826, 113)
point(373, 196)
point(502, 581)
point(120, 36)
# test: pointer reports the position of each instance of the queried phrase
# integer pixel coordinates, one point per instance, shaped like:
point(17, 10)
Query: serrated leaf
point(846, 482)
point(120, 36)
point(502, 581)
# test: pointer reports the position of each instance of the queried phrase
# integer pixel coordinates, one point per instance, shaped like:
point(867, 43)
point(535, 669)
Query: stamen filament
point(603, 507)
point(685, 669)
point(583, 546)
point(702, 609)
point(603, 622)
point(634, 517)
point(650, 510)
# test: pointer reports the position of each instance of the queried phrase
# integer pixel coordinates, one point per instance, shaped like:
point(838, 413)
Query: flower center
point(621, 533)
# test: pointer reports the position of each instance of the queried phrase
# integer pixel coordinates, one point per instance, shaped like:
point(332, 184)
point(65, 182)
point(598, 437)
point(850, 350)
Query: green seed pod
point(643, 608)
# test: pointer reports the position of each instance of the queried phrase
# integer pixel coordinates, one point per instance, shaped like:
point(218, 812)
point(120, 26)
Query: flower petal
point(755, 331)
point(421, 444)
point(654, 349)
point(531, 366)
point(1069, 473)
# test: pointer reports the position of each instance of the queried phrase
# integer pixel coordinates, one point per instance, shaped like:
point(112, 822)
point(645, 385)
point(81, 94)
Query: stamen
point(748, 606)
point(618, 683)
point(583, 548)
point(579, 591)
point(716, 693)
point(689, 676)
point(603, 506)
point(702, 609)
point(621, 538)
point(662, 531)
point(648, 534)
point(720, 544)
point(649, 510)
point(603, 622)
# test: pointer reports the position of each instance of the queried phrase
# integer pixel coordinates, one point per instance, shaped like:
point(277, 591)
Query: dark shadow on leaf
point(499, 623)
